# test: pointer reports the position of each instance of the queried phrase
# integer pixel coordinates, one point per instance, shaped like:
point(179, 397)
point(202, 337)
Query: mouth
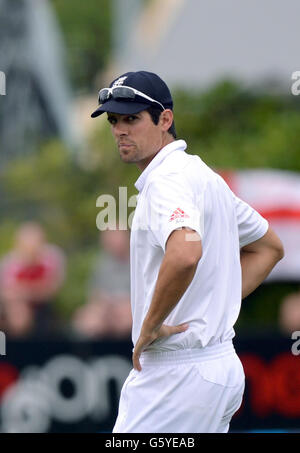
point(125, 145)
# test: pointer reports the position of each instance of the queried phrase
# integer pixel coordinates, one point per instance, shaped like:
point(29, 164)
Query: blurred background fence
point(64, 291)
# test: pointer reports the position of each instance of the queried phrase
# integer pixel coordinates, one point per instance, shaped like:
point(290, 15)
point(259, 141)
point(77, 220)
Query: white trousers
point(185, 391)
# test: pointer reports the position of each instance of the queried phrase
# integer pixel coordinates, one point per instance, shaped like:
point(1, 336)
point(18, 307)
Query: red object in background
point(275, 194)
point(50, 267)
point(285, 372)
point(30, 273)
point(259, 381)
point(8, 375)
point(273, 387)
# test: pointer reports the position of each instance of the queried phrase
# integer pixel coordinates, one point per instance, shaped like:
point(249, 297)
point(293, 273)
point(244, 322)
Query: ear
point(166, 119)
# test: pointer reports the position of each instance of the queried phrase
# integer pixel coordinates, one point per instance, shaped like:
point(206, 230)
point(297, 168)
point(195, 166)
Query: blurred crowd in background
point(58, 274)
point(33, 272)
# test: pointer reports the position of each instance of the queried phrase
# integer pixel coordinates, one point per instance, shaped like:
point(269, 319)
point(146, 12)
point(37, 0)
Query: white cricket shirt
point(178, 189)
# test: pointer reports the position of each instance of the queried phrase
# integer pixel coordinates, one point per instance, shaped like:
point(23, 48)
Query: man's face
point(137, 137)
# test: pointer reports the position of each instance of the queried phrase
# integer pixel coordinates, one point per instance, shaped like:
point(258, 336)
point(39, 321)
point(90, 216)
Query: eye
point(131, 118)
point(112, 120)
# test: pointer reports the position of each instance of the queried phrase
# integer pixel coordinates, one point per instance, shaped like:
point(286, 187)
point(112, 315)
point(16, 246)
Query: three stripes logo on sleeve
point(178, 214)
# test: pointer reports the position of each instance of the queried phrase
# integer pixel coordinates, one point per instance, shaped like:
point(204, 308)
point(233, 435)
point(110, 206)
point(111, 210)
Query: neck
point(144, 163)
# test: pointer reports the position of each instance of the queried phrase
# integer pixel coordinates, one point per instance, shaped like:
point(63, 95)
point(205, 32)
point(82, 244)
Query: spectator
point(30, 276)
point(289, 313)
point(107, 312)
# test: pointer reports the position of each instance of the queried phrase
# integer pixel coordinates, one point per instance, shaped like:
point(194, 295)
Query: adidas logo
point(178, 214)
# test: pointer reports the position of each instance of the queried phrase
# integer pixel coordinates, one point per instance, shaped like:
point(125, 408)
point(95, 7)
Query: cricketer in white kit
point(196, 251)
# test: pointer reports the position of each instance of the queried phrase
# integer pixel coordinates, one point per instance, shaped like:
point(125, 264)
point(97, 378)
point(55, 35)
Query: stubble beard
point(130, 157)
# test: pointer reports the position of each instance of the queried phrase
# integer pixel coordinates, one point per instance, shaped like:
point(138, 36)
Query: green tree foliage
point(228, 126)
point(232, 127)
point(86, 28)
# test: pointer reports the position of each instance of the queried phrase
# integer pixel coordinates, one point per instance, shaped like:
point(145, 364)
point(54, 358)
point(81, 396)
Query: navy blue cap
point(146, 82)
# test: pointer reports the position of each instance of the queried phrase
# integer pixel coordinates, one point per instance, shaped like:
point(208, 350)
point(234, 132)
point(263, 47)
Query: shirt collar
point(177, 145)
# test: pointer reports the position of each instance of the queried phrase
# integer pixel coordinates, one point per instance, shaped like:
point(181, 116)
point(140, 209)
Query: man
point(31, 275)
point(107, 312)
point(196, 250)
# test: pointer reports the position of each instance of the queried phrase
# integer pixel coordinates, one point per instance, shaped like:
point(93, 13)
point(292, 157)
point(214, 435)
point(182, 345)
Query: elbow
point(281, 253)
point(278, 251)
point(276, 247)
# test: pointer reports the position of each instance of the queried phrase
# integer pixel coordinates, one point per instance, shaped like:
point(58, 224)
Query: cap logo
point(119, 82)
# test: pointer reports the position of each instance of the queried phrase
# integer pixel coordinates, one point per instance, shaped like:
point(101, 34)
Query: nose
point(120, 129)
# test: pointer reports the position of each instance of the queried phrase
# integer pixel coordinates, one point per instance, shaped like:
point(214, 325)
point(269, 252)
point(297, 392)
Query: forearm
point(255, 269)
point(173, 280)
point(176, 272)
